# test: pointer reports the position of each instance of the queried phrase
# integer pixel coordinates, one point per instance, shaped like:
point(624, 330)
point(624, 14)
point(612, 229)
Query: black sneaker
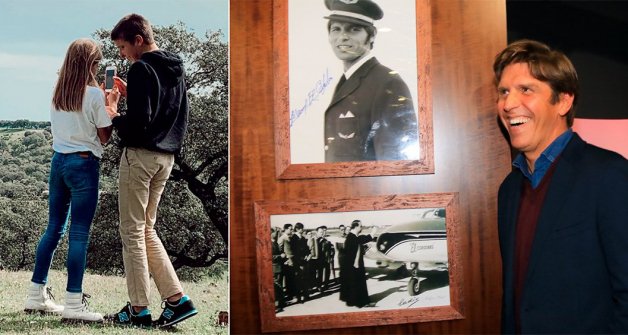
point(126, 317)
point(173, 314)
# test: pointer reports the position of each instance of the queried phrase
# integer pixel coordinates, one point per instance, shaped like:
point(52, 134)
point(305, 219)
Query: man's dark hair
point(545, 64)
point(130, 26)
point(287, 226)
point(370, 30)
point(298, 225)
point(355, 223)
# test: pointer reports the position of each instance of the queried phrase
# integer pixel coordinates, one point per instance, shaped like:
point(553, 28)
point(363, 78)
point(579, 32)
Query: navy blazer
point(577, 277)
point(371, 117)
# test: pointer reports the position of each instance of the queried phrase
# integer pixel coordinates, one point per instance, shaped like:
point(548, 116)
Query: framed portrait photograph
point(352, 88)
point(335, 263)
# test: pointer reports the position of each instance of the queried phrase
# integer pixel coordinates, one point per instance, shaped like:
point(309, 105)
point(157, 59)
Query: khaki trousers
point(143, 176)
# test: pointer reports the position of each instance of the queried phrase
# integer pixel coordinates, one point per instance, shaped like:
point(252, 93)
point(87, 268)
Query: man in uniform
point(301, 253)
point(371, 115)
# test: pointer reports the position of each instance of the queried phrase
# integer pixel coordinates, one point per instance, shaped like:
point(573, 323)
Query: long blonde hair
point(76, 73)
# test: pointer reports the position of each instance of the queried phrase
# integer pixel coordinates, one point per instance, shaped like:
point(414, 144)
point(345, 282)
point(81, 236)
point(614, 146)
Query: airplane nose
point(383, 245)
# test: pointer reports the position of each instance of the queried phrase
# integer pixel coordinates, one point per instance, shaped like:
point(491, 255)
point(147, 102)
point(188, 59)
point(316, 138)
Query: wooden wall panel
point(470, 154)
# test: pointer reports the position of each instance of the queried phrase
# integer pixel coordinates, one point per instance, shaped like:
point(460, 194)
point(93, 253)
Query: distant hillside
point(23, 124)
point(17, 134)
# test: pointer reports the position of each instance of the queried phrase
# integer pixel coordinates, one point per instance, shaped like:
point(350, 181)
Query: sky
point(333, 220)
point(35, 34)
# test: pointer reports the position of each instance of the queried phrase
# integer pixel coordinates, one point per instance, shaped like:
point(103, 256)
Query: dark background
point(594, 35)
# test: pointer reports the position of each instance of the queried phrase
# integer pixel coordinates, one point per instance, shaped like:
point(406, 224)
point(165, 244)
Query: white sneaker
point(41, 300)
point(76, 309)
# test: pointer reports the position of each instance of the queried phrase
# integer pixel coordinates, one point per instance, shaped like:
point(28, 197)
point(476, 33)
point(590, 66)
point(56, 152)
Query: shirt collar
point(350, 71)
point(547, 157)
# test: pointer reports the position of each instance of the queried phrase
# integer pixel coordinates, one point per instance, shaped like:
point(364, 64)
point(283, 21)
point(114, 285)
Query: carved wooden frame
point(270, 322)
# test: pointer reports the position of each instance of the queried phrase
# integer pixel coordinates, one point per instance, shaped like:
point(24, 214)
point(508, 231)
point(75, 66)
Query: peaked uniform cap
point(364, 12)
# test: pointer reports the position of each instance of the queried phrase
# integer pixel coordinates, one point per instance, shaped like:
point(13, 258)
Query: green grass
point(109, 295)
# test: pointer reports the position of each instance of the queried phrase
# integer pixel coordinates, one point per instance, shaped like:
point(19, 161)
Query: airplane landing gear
point(414, 284)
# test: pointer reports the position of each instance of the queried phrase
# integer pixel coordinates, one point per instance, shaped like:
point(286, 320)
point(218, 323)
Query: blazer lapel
point(512, 212)
point(353, 82)
point(508, 229)
point(555, 199)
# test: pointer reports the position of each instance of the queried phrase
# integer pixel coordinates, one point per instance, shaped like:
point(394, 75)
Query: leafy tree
point(23, 223)
point(34, 139)
point(25, 159)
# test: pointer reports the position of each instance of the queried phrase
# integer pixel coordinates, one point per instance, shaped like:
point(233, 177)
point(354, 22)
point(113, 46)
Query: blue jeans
point(73, 192)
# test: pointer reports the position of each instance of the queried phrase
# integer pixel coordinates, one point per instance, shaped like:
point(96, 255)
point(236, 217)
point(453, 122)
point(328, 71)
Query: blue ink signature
point(312, 95)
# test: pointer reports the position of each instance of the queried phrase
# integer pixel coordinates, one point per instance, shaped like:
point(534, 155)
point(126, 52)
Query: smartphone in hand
point(110, 72)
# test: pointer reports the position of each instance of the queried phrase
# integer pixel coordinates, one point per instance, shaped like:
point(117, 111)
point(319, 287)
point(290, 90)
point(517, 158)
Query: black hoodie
point(157, 104)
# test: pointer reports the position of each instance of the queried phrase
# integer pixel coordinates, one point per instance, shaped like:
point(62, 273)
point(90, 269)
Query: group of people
point(304, 262)
point(152, 130)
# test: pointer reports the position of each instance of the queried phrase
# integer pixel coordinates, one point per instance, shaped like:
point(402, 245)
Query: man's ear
point(139, 40)
point(566, 102)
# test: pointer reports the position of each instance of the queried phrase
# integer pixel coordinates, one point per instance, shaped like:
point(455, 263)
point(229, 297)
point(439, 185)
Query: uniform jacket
point(277, 259)
point(328, 251)
point(300, 249)
point(285, 246)
point(577, 276)
point(371, 117)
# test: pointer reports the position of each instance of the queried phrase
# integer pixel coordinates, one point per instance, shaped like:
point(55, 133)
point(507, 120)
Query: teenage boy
point(152, 132)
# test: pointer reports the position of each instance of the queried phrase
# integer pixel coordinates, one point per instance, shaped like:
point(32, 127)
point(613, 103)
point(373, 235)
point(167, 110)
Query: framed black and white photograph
point(352, 88)
point(338, 263)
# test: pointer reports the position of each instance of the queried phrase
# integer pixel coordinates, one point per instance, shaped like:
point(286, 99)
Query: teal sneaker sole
point(179, 319)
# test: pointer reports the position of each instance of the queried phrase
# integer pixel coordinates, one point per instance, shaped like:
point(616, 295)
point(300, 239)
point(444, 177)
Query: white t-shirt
point(76, 131)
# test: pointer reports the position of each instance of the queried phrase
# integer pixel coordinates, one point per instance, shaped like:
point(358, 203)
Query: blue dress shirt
point(542, 164)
